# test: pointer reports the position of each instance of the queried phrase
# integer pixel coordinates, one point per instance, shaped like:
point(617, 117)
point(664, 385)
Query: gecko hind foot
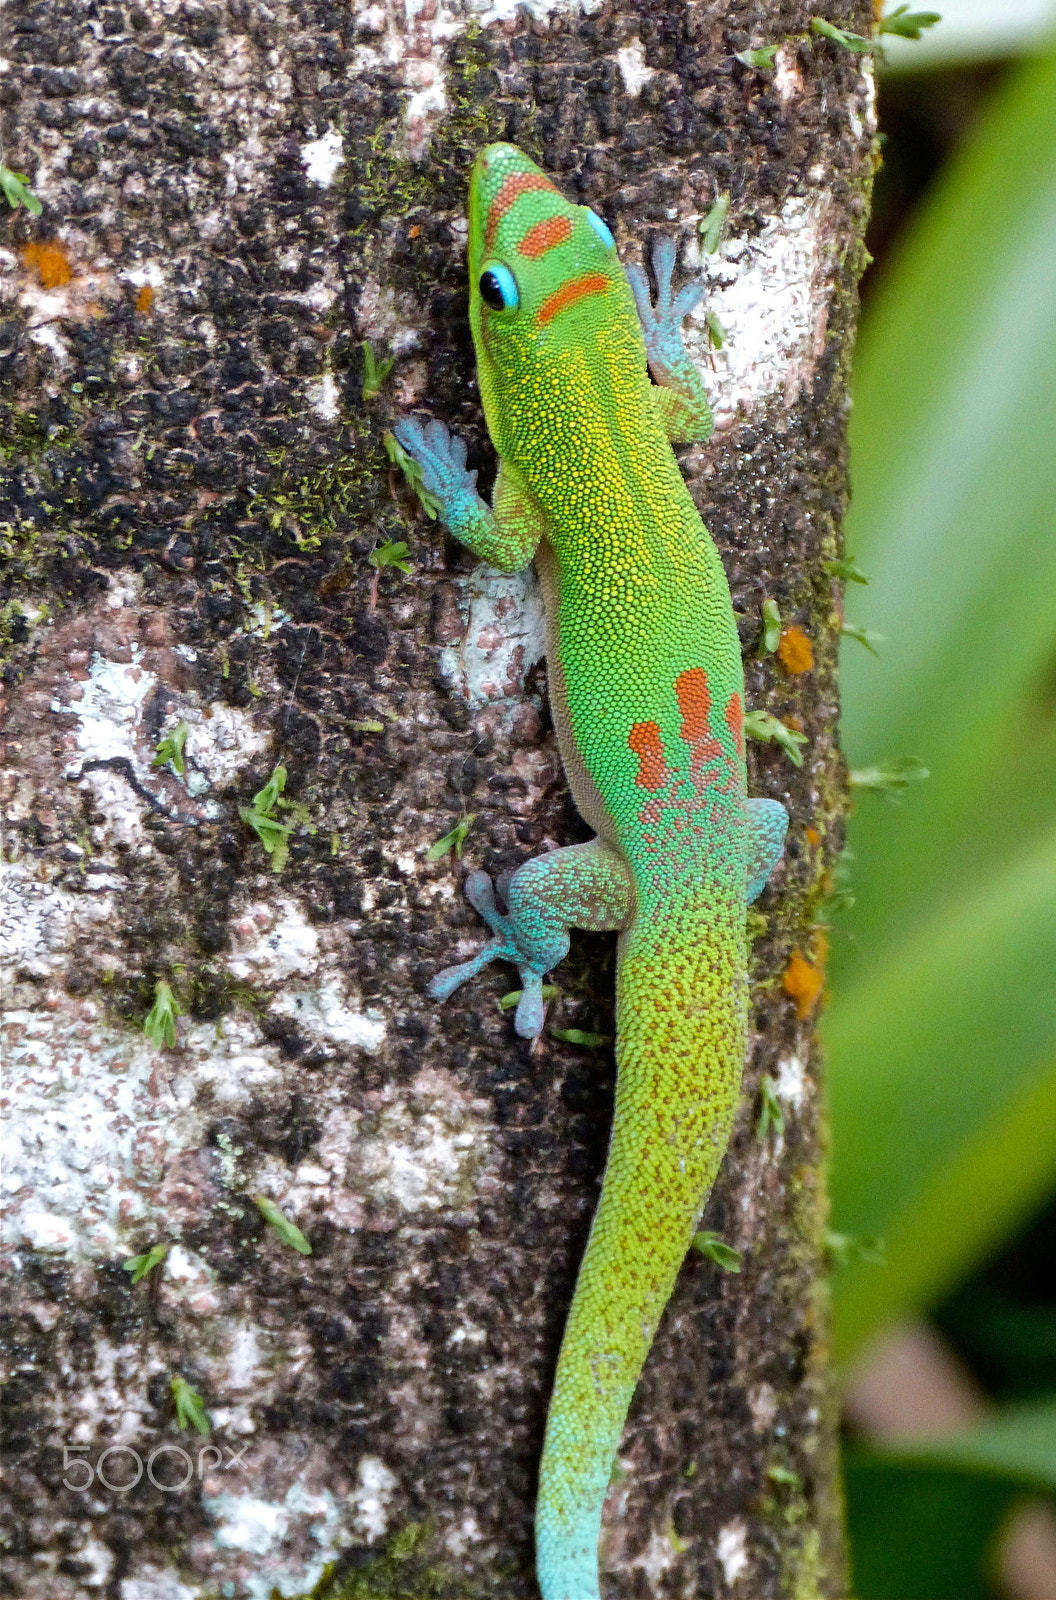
point(528, 1019)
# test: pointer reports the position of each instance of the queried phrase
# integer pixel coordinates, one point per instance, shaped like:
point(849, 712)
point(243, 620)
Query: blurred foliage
point(941, 1032)
point(942, 1029)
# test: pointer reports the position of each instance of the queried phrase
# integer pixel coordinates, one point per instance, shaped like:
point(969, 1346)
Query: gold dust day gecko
point(647, 693)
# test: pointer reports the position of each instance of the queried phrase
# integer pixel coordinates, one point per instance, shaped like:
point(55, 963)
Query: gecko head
point(544, 273)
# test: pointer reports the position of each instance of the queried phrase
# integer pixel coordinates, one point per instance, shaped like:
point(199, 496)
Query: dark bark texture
point(194, 481)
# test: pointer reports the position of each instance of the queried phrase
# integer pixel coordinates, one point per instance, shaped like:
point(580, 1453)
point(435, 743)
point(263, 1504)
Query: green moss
point(403, 1570)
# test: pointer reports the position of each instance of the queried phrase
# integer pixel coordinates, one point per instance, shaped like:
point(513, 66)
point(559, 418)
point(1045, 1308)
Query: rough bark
point(234, 199)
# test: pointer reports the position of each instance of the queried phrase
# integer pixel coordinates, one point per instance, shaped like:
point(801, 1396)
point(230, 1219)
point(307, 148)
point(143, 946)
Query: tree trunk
point(234, 199)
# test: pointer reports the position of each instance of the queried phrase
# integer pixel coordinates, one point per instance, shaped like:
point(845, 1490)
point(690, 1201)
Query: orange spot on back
point(794, 650)
point(145, 298)
point(545, 236)
point(513, 187)
point(735, 720)
point(644, 739)
point(50, 262)
point(694, 702)
point(575, 289)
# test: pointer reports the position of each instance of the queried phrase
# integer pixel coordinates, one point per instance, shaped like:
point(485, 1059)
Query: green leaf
point(590, 1041)
point(412, 472)
point(771, 1114)
point(716, 331)
point(941, 1503)
point(723, 1255)
point(840, 36)
point(508, 1001)
point(770, 637)
point(287, 1231)
point(14, 185)
point(758, 60)
point(908, 24)
point(846, 571)
point(190, 1408)
point(159, 1024)
point(921, 1533)
point(393, 553)
point(943, 984)
point(713, 225)
point(890, 780)
point(453, 840)
point(866, 636)
point(374, 371)
point(273, 835)
point(762, 726)
point(142, 1266)
point(170, 748)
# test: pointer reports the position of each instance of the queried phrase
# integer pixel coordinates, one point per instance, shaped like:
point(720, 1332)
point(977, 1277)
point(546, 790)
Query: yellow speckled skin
point(647, 688)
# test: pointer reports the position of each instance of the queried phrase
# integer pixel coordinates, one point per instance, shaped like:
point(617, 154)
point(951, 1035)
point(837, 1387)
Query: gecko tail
point(680, 1050)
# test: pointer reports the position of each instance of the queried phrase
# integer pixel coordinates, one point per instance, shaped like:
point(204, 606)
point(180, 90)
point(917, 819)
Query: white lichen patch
point(39, 923)
point(324, 397)
point(505, 635)
point(322, 157)
point(325, 1013)
point(221, 741)
point(425, 1149)
point(630, 59)
point(375, 1487)
point(790, 1082)
point(731, 1550)
point(156, 1583)
point(657, 1559)
point(104, 1138)
point(771, 295)
point(273, 941)
point(275, 1529)
point(109, 709)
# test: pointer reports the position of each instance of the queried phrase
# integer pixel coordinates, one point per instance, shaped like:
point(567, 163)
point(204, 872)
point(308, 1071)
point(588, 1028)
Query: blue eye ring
point(498, 288)
point(600, 228)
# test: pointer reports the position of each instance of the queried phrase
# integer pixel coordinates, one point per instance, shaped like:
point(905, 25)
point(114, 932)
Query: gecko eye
point(498, 288)
point(600, 228)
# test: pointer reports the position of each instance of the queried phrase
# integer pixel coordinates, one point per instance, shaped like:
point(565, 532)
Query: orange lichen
point(145, 298)
point(813, 837)
point(49, 261)
point(414, 233)
point(794, 650)
point(804, 980)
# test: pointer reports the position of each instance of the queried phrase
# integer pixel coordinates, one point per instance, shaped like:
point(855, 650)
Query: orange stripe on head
point(544, 236)
point(735, 721)
point(512, 188)
point(644, 739)
point(575, 289)
point(694, 702)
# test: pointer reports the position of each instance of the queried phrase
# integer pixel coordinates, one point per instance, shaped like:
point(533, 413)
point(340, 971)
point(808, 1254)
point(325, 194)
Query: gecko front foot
point(680, 394)
point(511, 943)
point(662, 322)
point(441, 456)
